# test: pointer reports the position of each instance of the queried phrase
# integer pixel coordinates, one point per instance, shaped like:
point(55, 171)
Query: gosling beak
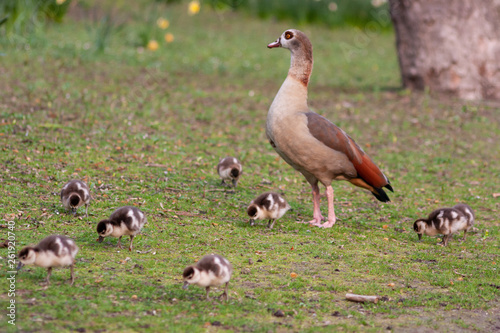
point(277, 43)
point(252, 222)
point(235, 183)
point(73, 210)
point(185, 285)
point(419, 237)
point(19, 265)
point(100, 239)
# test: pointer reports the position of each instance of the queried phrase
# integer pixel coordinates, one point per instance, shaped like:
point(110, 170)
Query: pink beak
point(277, 43)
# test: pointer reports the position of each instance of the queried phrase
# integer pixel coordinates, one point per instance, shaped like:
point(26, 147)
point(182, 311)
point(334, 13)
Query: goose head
point(255, 212)
point(27, 256)
point(104, 228)
point(191, 275)
point(74, 201)
point(301, 49)
point(419, 226)
point(294, 40)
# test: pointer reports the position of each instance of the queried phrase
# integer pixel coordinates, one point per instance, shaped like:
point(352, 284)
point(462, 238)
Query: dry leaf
point(385, 226)
point(293, 275)
point(134, 297)
point(392, 285)
point(496, 195)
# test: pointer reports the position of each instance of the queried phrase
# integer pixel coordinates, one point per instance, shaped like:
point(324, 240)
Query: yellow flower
point(60, 2)
point(162, 23)
point(194, 7)
point(152, 45)
point(169, 38)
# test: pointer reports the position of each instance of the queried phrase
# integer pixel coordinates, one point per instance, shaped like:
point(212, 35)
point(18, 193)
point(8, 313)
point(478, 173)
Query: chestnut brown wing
point(335, 138)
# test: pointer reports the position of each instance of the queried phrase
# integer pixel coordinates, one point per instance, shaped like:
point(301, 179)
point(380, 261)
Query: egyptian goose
point(446, 221)
point(52, 251)
point(229, 169)
point(125, 220)
point(212, 270)
point(74, 194)
point(269, 205)
point(310, 143)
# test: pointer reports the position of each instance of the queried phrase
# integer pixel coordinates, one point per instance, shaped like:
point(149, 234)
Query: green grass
point(148, 128)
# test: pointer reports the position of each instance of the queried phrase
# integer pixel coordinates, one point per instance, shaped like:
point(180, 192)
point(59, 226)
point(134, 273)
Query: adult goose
point(310, 143)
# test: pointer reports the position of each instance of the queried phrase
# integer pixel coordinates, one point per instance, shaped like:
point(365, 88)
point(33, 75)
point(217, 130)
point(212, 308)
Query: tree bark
point(449, 46)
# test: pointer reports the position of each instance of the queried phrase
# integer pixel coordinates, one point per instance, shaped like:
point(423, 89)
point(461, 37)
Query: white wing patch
point(468, 212)
point(271, 199)
point(60, 249)
point(135, 223)
point(79, 186)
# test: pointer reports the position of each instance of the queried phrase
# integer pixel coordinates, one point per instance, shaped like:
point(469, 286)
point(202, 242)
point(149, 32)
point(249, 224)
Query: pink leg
point(317, 217)
point(331, 210)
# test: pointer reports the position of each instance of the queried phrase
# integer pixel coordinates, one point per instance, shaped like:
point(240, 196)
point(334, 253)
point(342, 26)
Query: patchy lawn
point(147, 129)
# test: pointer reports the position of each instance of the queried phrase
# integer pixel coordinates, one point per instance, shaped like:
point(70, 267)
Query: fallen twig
point(362, 298)
point(155, 165)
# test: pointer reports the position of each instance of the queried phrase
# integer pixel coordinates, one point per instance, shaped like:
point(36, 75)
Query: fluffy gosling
point(229, 169)
point(212, 270)
point(269, 205)
point(74, 194)
point(52, 251)
point(124, 221)
point(446, 221)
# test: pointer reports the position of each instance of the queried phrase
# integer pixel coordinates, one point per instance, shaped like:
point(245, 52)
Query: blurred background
point(214, 36)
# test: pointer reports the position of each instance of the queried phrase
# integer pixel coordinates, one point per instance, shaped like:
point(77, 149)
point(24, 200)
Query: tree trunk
point(450, 46)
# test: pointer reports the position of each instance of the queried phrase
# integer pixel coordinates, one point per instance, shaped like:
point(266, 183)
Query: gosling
point(52, 251)
point(212, 270)
point(229, 169)
point(446, 221)
point(269, 205)
point(75, 194)
point(124, 221)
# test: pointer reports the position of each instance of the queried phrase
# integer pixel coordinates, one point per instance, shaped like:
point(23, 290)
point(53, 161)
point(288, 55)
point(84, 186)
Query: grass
point(148, 128)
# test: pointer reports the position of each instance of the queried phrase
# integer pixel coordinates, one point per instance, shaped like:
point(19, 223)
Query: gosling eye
point(288, 35)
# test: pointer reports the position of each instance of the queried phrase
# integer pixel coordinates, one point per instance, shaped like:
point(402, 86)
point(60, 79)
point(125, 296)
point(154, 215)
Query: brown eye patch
point(288, 35)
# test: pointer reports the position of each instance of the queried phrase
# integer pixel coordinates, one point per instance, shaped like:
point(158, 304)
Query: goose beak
point(19, 265)
point(419, 237)
point(186, 285)
point(235, 183)
point(73, 210)
point(252, 222)
point(100, 239)
point(277, 43)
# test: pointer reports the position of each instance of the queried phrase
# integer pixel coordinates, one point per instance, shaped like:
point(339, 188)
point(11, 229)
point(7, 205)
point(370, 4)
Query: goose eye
point(288, 35)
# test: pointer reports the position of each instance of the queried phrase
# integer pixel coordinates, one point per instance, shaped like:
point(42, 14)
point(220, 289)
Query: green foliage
point(360, 13)
point(25, 16)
